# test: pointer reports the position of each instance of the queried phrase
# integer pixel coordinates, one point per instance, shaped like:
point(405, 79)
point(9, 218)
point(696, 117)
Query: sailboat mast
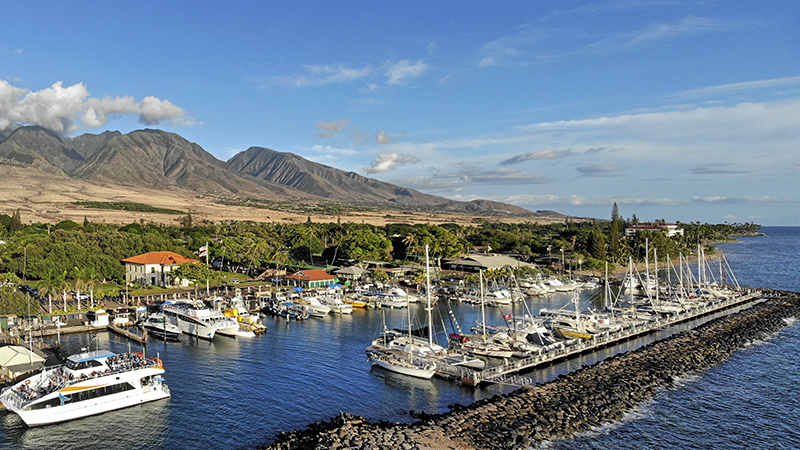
point(483, 306)
point(428, 294)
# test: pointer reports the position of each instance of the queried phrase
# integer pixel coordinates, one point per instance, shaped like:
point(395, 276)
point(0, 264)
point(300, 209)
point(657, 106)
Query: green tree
point(196, 273)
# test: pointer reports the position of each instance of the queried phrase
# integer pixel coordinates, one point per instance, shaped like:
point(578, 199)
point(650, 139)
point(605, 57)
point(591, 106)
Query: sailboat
point(403, 352)
point(480, 345)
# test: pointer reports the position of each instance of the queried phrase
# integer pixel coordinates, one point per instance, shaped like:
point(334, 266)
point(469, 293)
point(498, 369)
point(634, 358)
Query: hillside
point(167, 165)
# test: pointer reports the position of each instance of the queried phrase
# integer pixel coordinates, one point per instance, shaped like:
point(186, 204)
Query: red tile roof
point(166, 258)
point(311, 275)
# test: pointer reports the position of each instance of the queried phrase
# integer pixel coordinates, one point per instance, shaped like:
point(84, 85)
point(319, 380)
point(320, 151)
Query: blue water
point(234, 394)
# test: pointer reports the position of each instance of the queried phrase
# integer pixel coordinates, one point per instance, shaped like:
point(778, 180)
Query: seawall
point(585, 398)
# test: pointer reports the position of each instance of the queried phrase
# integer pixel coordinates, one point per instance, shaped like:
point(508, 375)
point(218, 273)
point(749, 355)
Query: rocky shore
point(586, 398)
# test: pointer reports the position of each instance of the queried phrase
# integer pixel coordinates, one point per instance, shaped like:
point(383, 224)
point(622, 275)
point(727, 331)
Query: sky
point(675, 110)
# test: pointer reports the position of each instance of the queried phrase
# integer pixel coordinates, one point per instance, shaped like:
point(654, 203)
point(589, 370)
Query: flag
point(507, 316)
point(203, 251)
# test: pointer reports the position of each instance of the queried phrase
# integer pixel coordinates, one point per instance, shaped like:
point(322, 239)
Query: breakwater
point(586, 398)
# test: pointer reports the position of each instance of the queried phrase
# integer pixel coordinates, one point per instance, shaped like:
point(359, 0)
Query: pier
point(508, 372)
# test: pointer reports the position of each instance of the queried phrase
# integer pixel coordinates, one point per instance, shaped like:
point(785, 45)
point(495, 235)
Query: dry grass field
point(48, 198)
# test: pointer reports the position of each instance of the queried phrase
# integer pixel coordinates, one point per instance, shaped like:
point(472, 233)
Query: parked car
point(28, 290)
point(80, 295)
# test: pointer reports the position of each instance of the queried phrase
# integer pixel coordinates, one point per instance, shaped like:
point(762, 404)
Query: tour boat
point(88, 383)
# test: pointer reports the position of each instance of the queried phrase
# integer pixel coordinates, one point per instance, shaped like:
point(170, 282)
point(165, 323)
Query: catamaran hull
point(89, 407)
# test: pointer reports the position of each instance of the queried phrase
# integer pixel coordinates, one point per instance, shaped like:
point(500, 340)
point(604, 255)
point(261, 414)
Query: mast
point(483, 306)
point(655, 270)
point(428, 295)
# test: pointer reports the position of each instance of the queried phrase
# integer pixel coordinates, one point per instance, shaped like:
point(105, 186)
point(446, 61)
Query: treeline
point(88, 254)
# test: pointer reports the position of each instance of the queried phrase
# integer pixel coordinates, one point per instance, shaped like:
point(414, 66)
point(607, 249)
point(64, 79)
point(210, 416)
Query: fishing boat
point(89, 383)
point(157, 325)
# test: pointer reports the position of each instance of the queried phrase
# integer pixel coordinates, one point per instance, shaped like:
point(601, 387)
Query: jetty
point(509, 371)
point(584, 399)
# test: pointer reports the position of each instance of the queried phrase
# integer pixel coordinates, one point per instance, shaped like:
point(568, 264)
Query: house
point(312, 278)
point(671, 229)
point(153, 268)
point(350, 273)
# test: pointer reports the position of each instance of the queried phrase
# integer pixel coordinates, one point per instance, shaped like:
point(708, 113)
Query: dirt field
point(48, 198)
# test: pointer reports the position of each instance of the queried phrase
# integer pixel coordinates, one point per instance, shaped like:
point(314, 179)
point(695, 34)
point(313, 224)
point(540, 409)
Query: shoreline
point(591, 396)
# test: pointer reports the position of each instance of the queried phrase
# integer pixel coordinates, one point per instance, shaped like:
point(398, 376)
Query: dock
point(132, 336)
point(509, 371)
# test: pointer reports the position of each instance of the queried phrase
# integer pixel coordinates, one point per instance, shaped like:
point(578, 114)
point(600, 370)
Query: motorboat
point(157, 325)
point(249, 323)
point(313, 306)
point(197, 319)
point(89, 383)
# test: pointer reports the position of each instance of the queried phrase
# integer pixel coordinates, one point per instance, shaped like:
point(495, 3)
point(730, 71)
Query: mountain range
point(161, 160)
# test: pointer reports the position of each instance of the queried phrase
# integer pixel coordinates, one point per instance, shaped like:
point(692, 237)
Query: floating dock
point(508, 372)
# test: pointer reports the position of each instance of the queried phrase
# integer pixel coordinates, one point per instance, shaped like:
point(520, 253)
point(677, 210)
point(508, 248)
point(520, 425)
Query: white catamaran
point(89, 383)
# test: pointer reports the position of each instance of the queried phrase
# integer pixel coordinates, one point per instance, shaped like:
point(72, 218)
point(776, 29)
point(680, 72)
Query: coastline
point(586, 398)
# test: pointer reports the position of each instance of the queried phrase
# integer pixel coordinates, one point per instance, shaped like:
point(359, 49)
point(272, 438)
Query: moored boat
point(157, 325)
point(89, 383)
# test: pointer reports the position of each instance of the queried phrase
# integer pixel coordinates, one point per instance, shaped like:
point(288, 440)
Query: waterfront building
point(153, 269)
point(312, 278)
point(671, 229)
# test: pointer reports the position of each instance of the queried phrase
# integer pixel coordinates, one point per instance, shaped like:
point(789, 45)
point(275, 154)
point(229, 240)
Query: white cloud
point(726, 89)
point(62, 109)
point(395, 73)
point(382, 138)
point(389, 161)
point(331, 129)
point(506, 48)
point(320, 75)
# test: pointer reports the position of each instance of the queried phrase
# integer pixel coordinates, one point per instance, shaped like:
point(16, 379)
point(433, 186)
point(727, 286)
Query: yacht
point(88, 383)
point(197, 319)
point(156, 324)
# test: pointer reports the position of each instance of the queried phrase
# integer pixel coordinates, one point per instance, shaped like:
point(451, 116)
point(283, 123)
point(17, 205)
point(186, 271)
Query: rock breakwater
point(586, 398)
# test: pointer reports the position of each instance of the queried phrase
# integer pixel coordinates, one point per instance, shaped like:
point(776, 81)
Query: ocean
point(236, 394)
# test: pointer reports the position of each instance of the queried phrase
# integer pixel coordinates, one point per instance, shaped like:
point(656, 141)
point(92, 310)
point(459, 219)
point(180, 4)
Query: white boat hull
point(90, 408)
point(410, 369)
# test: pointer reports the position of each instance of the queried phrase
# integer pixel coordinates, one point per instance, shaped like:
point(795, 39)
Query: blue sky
point(676, 110)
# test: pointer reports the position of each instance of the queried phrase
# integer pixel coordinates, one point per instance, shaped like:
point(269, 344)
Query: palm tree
point(49, 286)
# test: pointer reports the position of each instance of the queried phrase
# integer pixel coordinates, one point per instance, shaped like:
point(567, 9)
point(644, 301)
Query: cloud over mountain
point(65, 109)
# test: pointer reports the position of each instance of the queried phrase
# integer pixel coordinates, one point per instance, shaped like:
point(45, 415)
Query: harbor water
point(239, 393)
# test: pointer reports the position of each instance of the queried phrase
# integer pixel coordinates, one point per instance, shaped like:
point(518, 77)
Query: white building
point(153, 268)
point(671, 229)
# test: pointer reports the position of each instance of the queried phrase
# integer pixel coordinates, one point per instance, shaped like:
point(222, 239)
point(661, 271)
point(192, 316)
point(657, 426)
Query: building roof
point(487, 261)
point(165, 258)
point(311, 275)
point(352, 270)
point(16, 358)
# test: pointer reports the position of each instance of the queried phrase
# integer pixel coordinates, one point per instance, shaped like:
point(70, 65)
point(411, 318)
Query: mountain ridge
point(164, 160)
